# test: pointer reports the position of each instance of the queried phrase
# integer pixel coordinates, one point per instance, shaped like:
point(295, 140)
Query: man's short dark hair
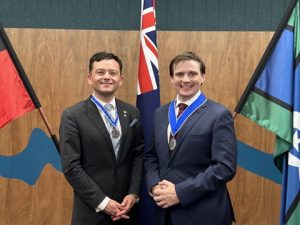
point(183, 57)
point(99, 56)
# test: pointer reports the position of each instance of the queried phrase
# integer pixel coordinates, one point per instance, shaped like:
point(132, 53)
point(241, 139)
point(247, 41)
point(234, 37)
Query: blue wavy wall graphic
point(28, 164)
point(257, 162)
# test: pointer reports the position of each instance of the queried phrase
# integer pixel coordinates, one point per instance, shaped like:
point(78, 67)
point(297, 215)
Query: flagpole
point(234, 115)
point(53, 136)
point(265, 57)
point(27, 84)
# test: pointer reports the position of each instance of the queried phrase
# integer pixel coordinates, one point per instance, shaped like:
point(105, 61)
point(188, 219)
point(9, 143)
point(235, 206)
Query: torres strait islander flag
point(148, 97)
point(272, 100)
point(16, 98)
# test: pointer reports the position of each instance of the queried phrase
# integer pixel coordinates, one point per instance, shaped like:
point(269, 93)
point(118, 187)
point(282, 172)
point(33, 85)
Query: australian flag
point(148, 98)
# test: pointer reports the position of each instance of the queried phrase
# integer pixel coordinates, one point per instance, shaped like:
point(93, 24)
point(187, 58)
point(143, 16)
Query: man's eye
point(113, 73)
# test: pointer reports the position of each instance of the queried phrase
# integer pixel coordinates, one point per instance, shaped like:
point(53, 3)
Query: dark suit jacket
point(203, 161)
point(89, 163)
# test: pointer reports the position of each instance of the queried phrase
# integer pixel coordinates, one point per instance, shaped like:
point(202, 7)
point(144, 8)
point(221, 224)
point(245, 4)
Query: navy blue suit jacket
point(203, 162)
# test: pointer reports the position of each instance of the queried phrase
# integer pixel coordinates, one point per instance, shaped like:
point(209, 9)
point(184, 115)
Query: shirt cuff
point(103, 204)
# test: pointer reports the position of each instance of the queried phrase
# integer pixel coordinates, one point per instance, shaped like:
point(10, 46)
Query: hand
point(113, 208)
point(154, 189)
point(127, 204)
point(165, 194)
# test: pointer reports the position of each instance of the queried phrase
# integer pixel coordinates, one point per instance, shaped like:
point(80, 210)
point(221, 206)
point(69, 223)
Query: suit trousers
point(168, 219)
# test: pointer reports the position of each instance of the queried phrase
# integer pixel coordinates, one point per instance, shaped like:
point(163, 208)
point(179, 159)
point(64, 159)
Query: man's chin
point(105, 92)
point(185, 96)
point(186, 93)
point(109, 92)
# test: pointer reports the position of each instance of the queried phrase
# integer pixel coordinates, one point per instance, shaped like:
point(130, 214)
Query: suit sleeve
point(70, 144)
point(223, 163)
point(137, 161)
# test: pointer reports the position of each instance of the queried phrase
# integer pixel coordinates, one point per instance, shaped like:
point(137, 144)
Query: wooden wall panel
point(56, 62)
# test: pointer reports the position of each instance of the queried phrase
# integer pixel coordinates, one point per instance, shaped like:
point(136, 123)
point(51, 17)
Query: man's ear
point(122, 78)
point(89, 79)
point(203, 78)
point(172, 79)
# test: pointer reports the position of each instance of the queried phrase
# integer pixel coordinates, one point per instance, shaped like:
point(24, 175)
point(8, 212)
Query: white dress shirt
point(105, 201)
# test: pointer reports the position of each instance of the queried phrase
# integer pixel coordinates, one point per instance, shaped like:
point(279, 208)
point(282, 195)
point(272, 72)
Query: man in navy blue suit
point(193, 152)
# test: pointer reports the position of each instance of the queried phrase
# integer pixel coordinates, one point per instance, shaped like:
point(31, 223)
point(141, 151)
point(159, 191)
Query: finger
point(126, 217)
point(122, 212)
point(158, 198)
point(165, 206)
point(115, 218)
point(125, 202)
point(161, 203)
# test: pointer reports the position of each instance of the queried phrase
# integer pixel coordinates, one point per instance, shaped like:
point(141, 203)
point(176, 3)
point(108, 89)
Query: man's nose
point(185, 78)
point(106, 75)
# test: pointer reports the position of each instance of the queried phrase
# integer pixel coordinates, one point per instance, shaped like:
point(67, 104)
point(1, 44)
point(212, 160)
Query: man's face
point(187, 79)
point(105, 77)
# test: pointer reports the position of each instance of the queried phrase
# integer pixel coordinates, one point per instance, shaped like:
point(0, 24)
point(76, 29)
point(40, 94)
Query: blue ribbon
point(176, 123)
point(106, 113)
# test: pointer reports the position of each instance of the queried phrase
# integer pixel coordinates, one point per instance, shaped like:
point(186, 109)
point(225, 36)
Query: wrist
point(136, 197)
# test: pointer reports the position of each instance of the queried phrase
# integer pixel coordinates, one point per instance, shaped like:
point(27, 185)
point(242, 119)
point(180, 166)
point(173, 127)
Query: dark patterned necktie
point(181, 108)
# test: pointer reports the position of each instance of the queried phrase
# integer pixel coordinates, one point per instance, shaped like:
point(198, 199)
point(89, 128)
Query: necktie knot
point(108, 107)
point(181, 107)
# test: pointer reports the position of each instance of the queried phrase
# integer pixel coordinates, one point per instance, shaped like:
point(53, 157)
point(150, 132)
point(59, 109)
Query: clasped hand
point(164, 194)
point(119, 210)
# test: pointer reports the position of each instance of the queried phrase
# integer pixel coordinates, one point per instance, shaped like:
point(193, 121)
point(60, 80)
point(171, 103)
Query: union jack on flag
point(148, 97)
point(148, 63)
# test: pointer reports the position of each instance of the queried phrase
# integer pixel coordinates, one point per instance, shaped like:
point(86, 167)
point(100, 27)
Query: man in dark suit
point(192, 155)
point(101, 144)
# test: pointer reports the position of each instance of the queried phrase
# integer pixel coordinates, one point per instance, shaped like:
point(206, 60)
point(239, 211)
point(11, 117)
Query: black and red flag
point(16, 94)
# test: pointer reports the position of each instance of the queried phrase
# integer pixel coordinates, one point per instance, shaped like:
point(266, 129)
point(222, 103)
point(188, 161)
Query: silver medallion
point(115, 133)
point(172, 143)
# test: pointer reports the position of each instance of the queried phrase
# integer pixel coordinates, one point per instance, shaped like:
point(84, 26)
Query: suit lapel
point(124, 117)
point(93, 114)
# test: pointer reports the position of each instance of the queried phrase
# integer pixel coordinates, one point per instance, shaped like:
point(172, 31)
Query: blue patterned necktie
point(115, 140)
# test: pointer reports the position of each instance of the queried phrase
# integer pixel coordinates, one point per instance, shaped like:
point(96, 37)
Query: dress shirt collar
point(112, 102)
point(190, 101)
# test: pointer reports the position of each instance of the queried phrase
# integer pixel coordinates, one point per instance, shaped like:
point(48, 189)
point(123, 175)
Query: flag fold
point(272, 100)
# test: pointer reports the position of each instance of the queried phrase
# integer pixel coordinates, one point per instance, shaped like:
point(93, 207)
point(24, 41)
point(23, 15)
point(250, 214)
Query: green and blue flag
point(272, 100)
